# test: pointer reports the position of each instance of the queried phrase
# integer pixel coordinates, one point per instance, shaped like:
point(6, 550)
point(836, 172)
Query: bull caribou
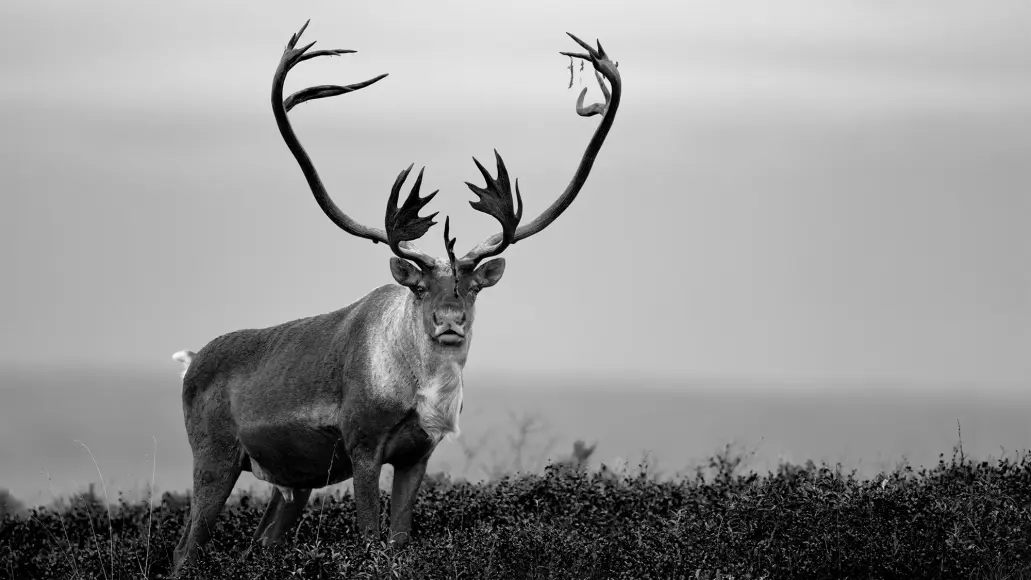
point(315, 401)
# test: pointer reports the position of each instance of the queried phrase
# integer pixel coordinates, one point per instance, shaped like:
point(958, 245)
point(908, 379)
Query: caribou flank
point(315, 401)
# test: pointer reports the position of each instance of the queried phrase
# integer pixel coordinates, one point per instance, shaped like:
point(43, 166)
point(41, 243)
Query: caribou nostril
point(449, 317)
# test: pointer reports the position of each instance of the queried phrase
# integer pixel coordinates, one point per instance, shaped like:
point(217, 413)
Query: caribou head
point(444, 292)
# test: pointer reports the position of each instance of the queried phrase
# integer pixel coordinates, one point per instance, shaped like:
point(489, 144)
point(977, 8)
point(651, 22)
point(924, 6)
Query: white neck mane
point(439, 402)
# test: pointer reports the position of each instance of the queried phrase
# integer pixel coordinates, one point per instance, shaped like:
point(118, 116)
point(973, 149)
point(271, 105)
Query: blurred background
point(806, 233)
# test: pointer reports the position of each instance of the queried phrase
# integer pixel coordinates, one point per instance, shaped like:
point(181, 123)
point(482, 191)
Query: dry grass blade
point(150, 508)
point(107, 505)
point(329, 471)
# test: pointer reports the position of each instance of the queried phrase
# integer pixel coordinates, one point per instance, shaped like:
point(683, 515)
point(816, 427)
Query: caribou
point(316, 401)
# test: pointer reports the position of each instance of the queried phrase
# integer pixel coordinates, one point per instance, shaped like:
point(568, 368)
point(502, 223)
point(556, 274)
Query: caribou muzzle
point(450, 327)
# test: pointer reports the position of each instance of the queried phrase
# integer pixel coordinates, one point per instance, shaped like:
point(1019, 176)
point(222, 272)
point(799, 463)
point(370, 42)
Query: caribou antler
point(449, 245)
point(405, 224)
point(493, 202)
point(496, 201)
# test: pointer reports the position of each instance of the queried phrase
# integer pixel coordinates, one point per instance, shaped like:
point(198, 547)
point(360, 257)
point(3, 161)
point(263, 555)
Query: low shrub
point(959, 519)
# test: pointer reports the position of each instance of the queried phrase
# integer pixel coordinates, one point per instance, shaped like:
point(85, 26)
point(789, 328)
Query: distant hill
point(117, 413)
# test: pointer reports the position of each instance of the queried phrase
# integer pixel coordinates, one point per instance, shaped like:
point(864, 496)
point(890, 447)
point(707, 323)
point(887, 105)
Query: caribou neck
point(437, 371)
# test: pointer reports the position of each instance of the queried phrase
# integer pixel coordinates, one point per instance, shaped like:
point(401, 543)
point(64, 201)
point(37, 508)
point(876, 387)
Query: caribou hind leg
point(280, 515)
point(216, 462)
point(215, 471)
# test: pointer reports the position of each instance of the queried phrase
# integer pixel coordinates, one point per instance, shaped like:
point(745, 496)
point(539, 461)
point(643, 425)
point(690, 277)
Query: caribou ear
point(489, 274)
point(406, 273)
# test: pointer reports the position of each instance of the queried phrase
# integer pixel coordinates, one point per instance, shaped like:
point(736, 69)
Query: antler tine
point(604, 67)
point(291, 56)
point(596, 108)
point(590, 50)
point(329, 52)
point(297, 35)
point(323, 91)
point(404, 224)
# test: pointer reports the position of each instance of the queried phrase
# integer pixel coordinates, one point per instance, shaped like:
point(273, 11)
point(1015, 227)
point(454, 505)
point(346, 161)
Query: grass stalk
point(107, 504)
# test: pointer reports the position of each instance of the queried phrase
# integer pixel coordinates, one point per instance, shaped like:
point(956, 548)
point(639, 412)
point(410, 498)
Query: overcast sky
point(792, 191)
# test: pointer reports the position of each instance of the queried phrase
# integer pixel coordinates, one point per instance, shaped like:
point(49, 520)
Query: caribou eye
point(419, 291)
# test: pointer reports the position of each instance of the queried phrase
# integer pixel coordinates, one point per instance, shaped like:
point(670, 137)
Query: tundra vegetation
point(577, 519)
point(958, 519)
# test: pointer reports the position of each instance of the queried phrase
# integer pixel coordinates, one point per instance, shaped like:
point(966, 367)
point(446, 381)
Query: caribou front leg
point(402, 499)
point(367, 463)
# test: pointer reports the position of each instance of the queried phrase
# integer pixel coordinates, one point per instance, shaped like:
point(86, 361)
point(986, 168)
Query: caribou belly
point(292, 458)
